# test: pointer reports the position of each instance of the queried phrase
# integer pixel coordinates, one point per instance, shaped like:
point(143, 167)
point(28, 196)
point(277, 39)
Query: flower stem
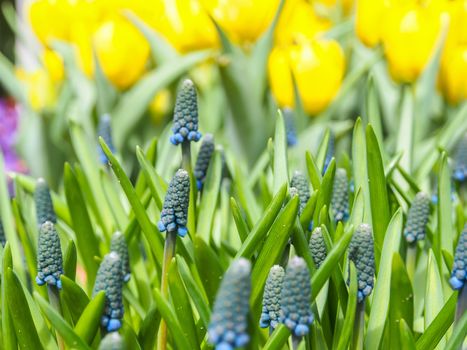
point(357, 342)
point(410, 260)
point(295, 342)
point(186, 156)
point(169, 252)
point(461, 303)
point(54, 299)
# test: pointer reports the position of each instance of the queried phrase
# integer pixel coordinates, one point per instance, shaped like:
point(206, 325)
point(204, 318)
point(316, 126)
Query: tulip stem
point(54, 299)
point(186, 156)
point(461, 303)
point(411, 260)
point(357, 342)
point(169, 252)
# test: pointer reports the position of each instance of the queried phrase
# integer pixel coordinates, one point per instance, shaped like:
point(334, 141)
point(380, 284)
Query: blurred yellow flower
point(243, 20)
point(317, 67)
point(368, 18)
point(40, 89)
point(453, 73)
point(53, 64)
point(299, 22)
point(409, 37)
point(160, 105)
point(122, 51)
point(346, 4)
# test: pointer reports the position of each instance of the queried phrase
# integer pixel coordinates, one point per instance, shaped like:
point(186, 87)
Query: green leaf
point(444, 237)
point(405, 139)
point(8, 330)
point(457, 337)
point(69, 260)
point(372, 110)
point(168, 314)
point(146, 335)
point(278, 338)
point(357, 212)
point(89, 322)
point(379, 204)
point(325, 191)
point(240, 223)
point(26, 332)
point(69, 336)
point(346, 333)
point(10, 82)
point(313, 171)
point(406, 340)
point(323, 149)
point(280, 154)
point(381, 297)
point(74, 297)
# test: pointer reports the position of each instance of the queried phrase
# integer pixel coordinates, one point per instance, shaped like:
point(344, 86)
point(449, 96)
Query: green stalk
point(54, 299)
point(357, 342)
point(295, 342)
point(186, 156)
point(461, 303)
point(411, 260)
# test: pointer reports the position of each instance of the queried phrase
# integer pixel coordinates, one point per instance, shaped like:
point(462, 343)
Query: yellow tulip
point(122, 51)
point(409, 37)
point(53, 64)
point(243, 20)
point(452, 75)
point(345, 4)
point(368, 18)
point(40, 90)
point(160, 105)
point(318, 68)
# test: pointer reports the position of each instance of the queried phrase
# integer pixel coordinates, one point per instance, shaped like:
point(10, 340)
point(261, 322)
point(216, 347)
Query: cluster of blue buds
point(317, 247)
point(113, 341)
point(229, 320)
point(104, 130)
point(174, 213)
point(44, 206)
point(417, 219)
point(295, 298)
point(118, 245)
point(49, 256)
point(361, 253)
point(2, 235)
point(459, 269)
point(204, 158)
point(109, 279)
point(340, 196)
point(300, 182)
point(330, 151)
point(290, 130)
point(185, 125)
point(460, 161)
point(272, 298)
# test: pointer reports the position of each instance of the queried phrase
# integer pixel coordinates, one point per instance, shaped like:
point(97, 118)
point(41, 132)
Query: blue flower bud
point(174, 213)
point(204, 157)
point(295, 298)
point(2, 235)
point(330, 151)
point(229, 321)
point(340, 196)
point(272, 298)
point(300, 182)
point(361, 253)
point(49, 256)
point(118, 245)
point(44, 206)
point(317, 247)
point(104, 130)
point(113, 341)
point(109, 279)
point(290, 130)
point(185, 126)
point(460, 161)
point(417, 219)
point(459, 268)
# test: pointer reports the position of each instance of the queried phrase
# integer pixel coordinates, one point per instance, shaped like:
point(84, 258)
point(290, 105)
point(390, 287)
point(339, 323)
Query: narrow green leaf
point(458, 336)
point(278, 338)
point(406, 340)
point(146, 335)
point(8, 330)
point(372, 110)
point(281, 174)
point(346, 333)
point(325, 191)
point(444, 237)
point(313, 171)
point(323, 149)
point(405, 139)
point(89, 321)
point(10, 82)
point(69, 260)
point(74, 297)
point(242, 227)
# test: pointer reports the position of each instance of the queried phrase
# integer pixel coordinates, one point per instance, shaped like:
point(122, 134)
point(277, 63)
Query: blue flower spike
point(185, 124)
point(49, 256)
point(229, 320)
point(295, 298)
point(361, 253)
point(272, 298)
point(104, 130)
point(118, 244)
point(459, 268)
point(300, 182)
point(460, 161)
point(109, 279)
point(204, 158)
point(174, 213)
point(44, 206)
point(340, 196)
point(417, 218)
point(317, 247)
point(290, 129)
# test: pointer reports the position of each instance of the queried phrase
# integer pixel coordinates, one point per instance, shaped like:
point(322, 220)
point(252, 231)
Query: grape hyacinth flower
point(118, 245)
point(459, 269)
point(361, 253)
point(104, 130)
point(2, 234)
point(109, 279)
point(300, 182)
point(272, 298)
point(340, 196)
point(203, 160)
point(49, 256)
point(229, 321)
point(44, 205)
point(185, 126)
point(290, 130)
point(295, 298)
point(317, 247)
point(417, 219)
point(174, 213)
point(329, 152)
point(460, 160)
point(113, 341)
